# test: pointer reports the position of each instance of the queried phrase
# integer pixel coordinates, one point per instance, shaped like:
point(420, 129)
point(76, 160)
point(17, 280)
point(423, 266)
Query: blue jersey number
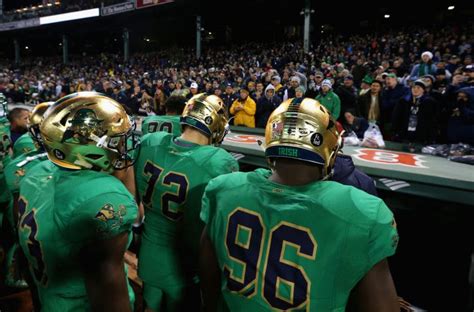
point(27, 221)
point(244, 241)
point(171, 202)
point(165, 126)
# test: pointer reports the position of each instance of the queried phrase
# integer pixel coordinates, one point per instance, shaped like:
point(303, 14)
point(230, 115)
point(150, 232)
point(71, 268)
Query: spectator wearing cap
point(290, 92)
point(300, 92)
point(468, 72)
point(329, 99)
point(441, 81)
point(228, 96)
point(193, 90)
point(347, 94)
point(414, 117)
point(266, 105)
point(365, 85)
point(461, 122)
point(453, 63)
point(369, 104)
point(391, 95)
point(425, 67)
point(244, 109)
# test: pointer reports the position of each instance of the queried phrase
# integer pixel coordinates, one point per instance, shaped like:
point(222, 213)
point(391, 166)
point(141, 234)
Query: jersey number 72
point(170, 179)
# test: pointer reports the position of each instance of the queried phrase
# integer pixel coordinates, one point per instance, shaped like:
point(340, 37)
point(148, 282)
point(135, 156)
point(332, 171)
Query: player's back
point(61, 211)
point(293, 247)
point(171, 177)
point(165, 123)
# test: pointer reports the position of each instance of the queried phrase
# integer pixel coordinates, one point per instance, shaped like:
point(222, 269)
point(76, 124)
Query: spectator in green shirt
point(329, 99)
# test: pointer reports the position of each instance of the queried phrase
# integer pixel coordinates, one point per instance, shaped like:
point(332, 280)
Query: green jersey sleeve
point(383, 237)
point(23, 145)
point(108, 215)
point(208, 201)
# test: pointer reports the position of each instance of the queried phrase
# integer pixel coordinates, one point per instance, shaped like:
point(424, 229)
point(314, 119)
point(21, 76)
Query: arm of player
point(375, 292)
point(103, 268)
point(209, 273)
point(127, 176)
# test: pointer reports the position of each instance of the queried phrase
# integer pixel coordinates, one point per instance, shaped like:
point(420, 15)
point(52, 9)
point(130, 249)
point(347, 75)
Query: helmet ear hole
point(330, 124)
point(63, 120)
point(94, 156)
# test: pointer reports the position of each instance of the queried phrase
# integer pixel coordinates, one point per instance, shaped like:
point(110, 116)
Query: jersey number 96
point(244, 244)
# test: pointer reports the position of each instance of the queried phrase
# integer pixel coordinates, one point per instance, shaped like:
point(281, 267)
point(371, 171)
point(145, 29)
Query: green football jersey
point(23, 145)
point(167, 123)
point(302, 248)
point(60, 212)
point(171, 175)
point(14, 173)
point(5, 144)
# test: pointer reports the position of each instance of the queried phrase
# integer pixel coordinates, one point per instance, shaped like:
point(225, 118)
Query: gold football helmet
point(303, 129)
point(207, 114)
point(87, 130)
point(34, 122)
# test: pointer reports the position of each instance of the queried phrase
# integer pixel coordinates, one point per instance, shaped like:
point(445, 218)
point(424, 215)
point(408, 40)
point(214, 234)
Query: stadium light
point(26, 48)
point(49, 4)
point(387, 16)
point(451, 7)
point(69, 16)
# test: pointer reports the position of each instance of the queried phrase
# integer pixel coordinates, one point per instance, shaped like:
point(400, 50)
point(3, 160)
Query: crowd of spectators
point(416, 85)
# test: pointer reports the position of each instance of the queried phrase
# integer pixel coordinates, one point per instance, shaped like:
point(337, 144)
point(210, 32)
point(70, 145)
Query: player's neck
point(294, 173)
point(194, 136)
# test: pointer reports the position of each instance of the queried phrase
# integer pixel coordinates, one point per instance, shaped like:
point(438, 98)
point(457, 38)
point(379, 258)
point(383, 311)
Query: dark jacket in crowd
point(390, 98)
point(120, 97)
point(461, 121)
point(359, 72)
point(346, 173)
point(348, 97)
point(265, 106)
point(359, 126)
point(228, 100)
point(425, 109)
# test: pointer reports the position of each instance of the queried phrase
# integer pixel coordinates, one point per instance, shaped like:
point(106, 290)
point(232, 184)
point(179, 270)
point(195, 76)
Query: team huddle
point(213, 238)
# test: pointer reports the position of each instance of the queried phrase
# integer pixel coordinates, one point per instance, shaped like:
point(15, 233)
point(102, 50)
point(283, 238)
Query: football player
point(171, 173)
point(75, 218)
point(289, 239)
point(18, 118)
point(5, 153)
point(168, 123)
point(14, 173)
